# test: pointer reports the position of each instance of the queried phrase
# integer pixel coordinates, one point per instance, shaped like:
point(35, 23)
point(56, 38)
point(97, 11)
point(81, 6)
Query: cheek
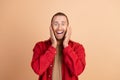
point(65, 28)
point(54, 28)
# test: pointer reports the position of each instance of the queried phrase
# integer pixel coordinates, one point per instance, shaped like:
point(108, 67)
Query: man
point(58, 58)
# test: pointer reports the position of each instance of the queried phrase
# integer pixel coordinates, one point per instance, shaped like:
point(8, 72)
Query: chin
point(59, 38)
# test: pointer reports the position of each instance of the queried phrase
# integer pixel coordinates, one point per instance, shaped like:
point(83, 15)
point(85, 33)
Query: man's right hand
point(52, 37)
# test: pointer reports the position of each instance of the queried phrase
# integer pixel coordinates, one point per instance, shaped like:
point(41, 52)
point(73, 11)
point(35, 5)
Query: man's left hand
point(67, 36)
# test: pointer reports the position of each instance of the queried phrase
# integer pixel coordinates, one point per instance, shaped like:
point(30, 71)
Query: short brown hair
point(60, 14)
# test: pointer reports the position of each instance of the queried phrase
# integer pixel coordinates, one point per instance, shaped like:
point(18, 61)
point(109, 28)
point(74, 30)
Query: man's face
point(59, 25)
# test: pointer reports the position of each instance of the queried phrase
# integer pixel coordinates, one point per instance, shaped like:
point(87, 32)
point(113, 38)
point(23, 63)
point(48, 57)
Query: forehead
point(59, 18)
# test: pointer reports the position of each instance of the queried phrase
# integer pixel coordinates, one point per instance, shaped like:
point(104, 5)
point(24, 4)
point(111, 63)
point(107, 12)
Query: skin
point(60, 31)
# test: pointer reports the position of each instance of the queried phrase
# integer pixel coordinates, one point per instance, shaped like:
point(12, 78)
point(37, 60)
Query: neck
point(59, 42)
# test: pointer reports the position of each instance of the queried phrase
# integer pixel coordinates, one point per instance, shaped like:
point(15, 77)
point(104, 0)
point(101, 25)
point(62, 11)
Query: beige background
point(95, 24)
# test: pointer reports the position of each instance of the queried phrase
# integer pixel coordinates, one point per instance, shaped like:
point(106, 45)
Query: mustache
point(62, 38)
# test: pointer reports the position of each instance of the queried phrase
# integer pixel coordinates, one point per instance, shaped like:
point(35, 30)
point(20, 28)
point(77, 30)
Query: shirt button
point(49, 75)
point(51, 65)
point(55, 51)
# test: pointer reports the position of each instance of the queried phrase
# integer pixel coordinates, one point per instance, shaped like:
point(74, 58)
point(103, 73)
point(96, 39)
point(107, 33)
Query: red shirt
point(73, 60)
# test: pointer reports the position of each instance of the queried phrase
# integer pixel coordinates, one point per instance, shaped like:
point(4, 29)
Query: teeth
point(59, 32)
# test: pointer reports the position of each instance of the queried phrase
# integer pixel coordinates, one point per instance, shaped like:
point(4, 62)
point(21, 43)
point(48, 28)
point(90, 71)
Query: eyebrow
point(63, 21)
point(55, 22)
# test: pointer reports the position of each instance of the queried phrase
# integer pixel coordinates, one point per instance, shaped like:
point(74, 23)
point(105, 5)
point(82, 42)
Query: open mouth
point(59, 32)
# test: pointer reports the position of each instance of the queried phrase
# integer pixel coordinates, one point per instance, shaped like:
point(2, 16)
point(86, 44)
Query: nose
point(59, 27)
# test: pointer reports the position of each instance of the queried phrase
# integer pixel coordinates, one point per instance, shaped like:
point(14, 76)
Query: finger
point(69, 33)
point(70, 30)
point(52, 34)
point(67, 30)
point(50, 31)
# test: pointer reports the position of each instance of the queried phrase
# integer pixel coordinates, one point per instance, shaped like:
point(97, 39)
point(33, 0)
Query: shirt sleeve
point(42, 59)
point(75, 59)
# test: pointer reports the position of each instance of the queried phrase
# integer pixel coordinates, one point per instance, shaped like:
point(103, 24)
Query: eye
point(55, 24)
point(63, 24)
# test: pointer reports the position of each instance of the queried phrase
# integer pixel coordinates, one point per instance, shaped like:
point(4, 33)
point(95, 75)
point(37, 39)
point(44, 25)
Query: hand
point(52, 37)
point(67, 36)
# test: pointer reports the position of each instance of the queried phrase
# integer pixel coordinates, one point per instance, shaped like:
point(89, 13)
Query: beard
point(61, 38)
